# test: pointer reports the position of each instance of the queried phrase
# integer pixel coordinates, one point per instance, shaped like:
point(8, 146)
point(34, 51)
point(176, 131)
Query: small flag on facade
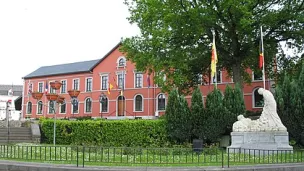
point(110, 88)
point(30, 86)
point(46, 87)
point(148, 81)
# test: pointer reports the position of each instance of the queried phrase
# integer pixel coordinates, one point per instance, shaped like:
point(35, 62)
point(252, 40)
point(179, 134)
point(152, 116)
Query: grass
point(101, 156)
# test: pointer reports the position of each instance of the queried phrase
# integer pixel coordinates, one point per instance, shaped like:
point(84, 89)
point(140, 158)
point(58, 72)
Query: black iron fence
point(83, 155)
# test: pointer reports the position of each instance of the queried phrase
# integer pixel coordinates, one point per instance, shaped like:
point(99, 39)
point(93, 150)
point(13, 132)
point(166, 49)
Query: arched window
point(104, 105)
point(75, 106)
point(63, 108)
point(161, 102)
point(257, 98)
point(51, 107)
point(29, 108)
point(88, 105)
point(138, 103)
point(121, 62)
point(39, 107)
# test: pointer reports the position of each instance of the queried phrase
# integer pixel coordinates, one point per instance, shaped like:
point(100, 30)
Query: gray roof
point(76, 67)
point(17, 89)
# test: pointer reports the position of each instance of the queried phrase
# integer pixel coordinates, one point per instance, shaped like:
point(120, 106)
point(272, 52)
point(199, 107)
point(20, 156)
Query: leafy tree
point(197, 114)
point(176, 35)
point(215, 124)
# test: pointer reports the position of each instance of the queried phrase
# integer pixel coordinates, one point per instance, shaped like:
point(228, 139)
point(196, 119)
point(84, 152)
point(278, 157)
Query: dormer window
point(121, 62)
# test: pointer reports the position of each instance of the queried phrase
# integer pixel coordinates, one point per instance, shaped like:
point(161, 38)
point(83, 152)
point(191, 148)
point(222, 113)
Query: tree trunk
point(237, 74)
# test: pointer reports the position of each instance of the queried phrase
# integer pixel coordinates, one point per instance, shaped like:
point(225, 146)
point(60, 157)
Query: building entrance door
point(121, 106)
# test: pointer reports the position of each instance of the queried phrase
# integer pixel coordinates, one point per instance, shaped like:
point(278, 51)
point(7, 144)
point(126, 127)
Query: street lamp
point(55, 98)
point(102, 100)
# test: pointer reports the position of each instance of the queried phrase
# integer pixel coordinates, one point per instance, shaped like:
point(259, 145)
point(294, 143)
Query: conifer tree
point(197, 114)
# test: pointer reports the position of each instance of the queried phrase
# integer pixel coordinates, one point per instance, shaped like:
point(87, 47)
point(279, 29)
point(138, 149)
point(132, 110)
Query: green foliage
point(197, 114)
point(215, 124)
point(178, 34)
point(234, 102)
point(178, 118)
point(135, 133)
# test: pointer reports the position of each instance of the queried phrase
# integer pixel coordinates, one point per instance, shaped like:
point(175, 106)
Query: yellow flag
point(110, 88)
point(213, 59)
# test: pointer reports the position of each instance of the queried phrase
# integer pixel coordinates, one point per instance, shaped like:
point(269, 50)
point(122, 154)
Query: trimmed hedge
point(129, 133)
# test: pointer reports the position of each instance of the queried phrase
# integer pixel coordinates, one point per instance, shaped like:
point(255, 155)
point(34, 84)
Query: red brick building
point(93, 78)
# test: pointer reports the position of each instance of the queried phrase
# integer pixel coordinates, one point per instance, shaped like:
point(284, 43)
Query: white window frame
point(107, 83)
point(253, 99)
point(221, 77)
point(64, 102)
point(142, 79)
point(117, 62)
point(48, 112)
point(72, 108)
point(85, 105)
point(100, 106)
point(157, 101)
point(123, 73)
point(86, 83)
point(50, 88)
point(78, 88)
point(66, 84)
point(142, 103)
point(27, 106)
point(42, 87)
point(37, 107)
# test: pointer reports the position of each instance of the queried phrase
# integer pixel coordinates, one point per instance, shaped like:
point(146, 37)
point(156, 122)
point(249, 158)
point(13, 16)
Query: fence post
point(83, 149)
point(223, 158)
point(228, 157)
point(77, 156)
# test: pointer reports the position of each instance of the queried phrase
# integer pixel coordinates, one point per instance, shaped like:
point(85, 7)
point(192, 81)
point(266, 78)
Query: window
point(257, 99)
point(104, 105)
point(161, 102)
point(88, 84)
point(30, 88)
point(75, 107)
point(40, 87)
point(29, 108)
point(122, 62)
point(104, 82)
point(39, 107)
point(218, 77)
point(63, 108)
point(51, 89)
point(63, 86)
point(257, 75)
point(120, 79)
point(76, 84)
point(51, 107)
point(88, 105)
point(138, 80)
point(138, 103)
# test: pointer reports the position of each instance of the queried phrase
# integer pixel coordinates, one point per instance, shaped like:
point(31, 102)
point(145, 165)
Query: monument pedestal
point(260, 142)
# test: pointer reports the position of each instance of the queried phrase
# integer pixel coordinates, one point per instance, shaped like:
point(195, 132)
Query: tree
point(215, 124)
point(178, 118)
point(176, 35)
point(197, 114)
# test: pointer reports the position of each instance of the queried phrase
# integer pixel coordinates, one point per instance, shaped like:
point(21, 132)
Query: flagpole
point(263, 71)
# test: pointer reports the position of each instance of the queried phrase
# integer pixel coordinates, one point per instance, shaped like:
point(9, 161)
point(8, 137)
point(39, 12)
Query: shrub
point(197, 114)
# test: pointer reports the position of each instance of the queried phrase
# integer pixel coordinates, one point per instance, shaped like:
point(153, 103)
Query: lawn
point(108, 156)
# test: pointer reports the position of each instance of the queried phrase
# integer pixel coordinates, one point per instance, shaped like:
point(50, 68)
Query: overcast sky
point(36, 33)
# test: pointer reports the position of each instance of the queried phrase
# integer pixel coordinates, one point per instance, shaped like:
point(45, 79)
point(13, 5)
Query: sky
point(35, 33)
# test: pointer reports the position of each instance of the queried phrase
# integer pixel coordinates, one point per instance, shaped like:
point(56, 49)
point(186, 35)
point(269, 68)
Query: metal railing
point(84, 155)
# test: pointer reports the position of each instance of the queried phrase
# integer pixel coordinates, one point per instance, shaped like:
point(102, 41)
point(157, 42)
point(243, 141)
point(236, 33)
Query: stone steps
point(16, 135)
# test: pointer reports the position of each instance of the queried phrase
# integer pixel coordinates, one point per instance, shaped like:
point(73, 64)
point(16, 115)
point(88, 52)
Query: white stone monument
point(265, 135)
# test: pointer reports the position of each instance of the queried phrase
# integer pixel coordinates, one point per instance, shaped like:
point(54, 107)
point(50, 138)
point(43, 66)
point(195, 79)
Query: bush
point(122, 133)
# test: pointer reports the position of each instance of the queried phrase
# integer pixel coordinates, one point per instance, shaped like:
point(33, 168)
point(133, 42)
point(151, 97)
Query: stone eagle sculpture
point(268, 121)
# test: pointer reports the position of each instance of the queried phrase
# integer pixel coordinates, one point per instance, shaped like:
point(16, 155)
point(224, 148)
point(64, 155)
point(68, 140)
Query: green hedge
point(131, 133)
